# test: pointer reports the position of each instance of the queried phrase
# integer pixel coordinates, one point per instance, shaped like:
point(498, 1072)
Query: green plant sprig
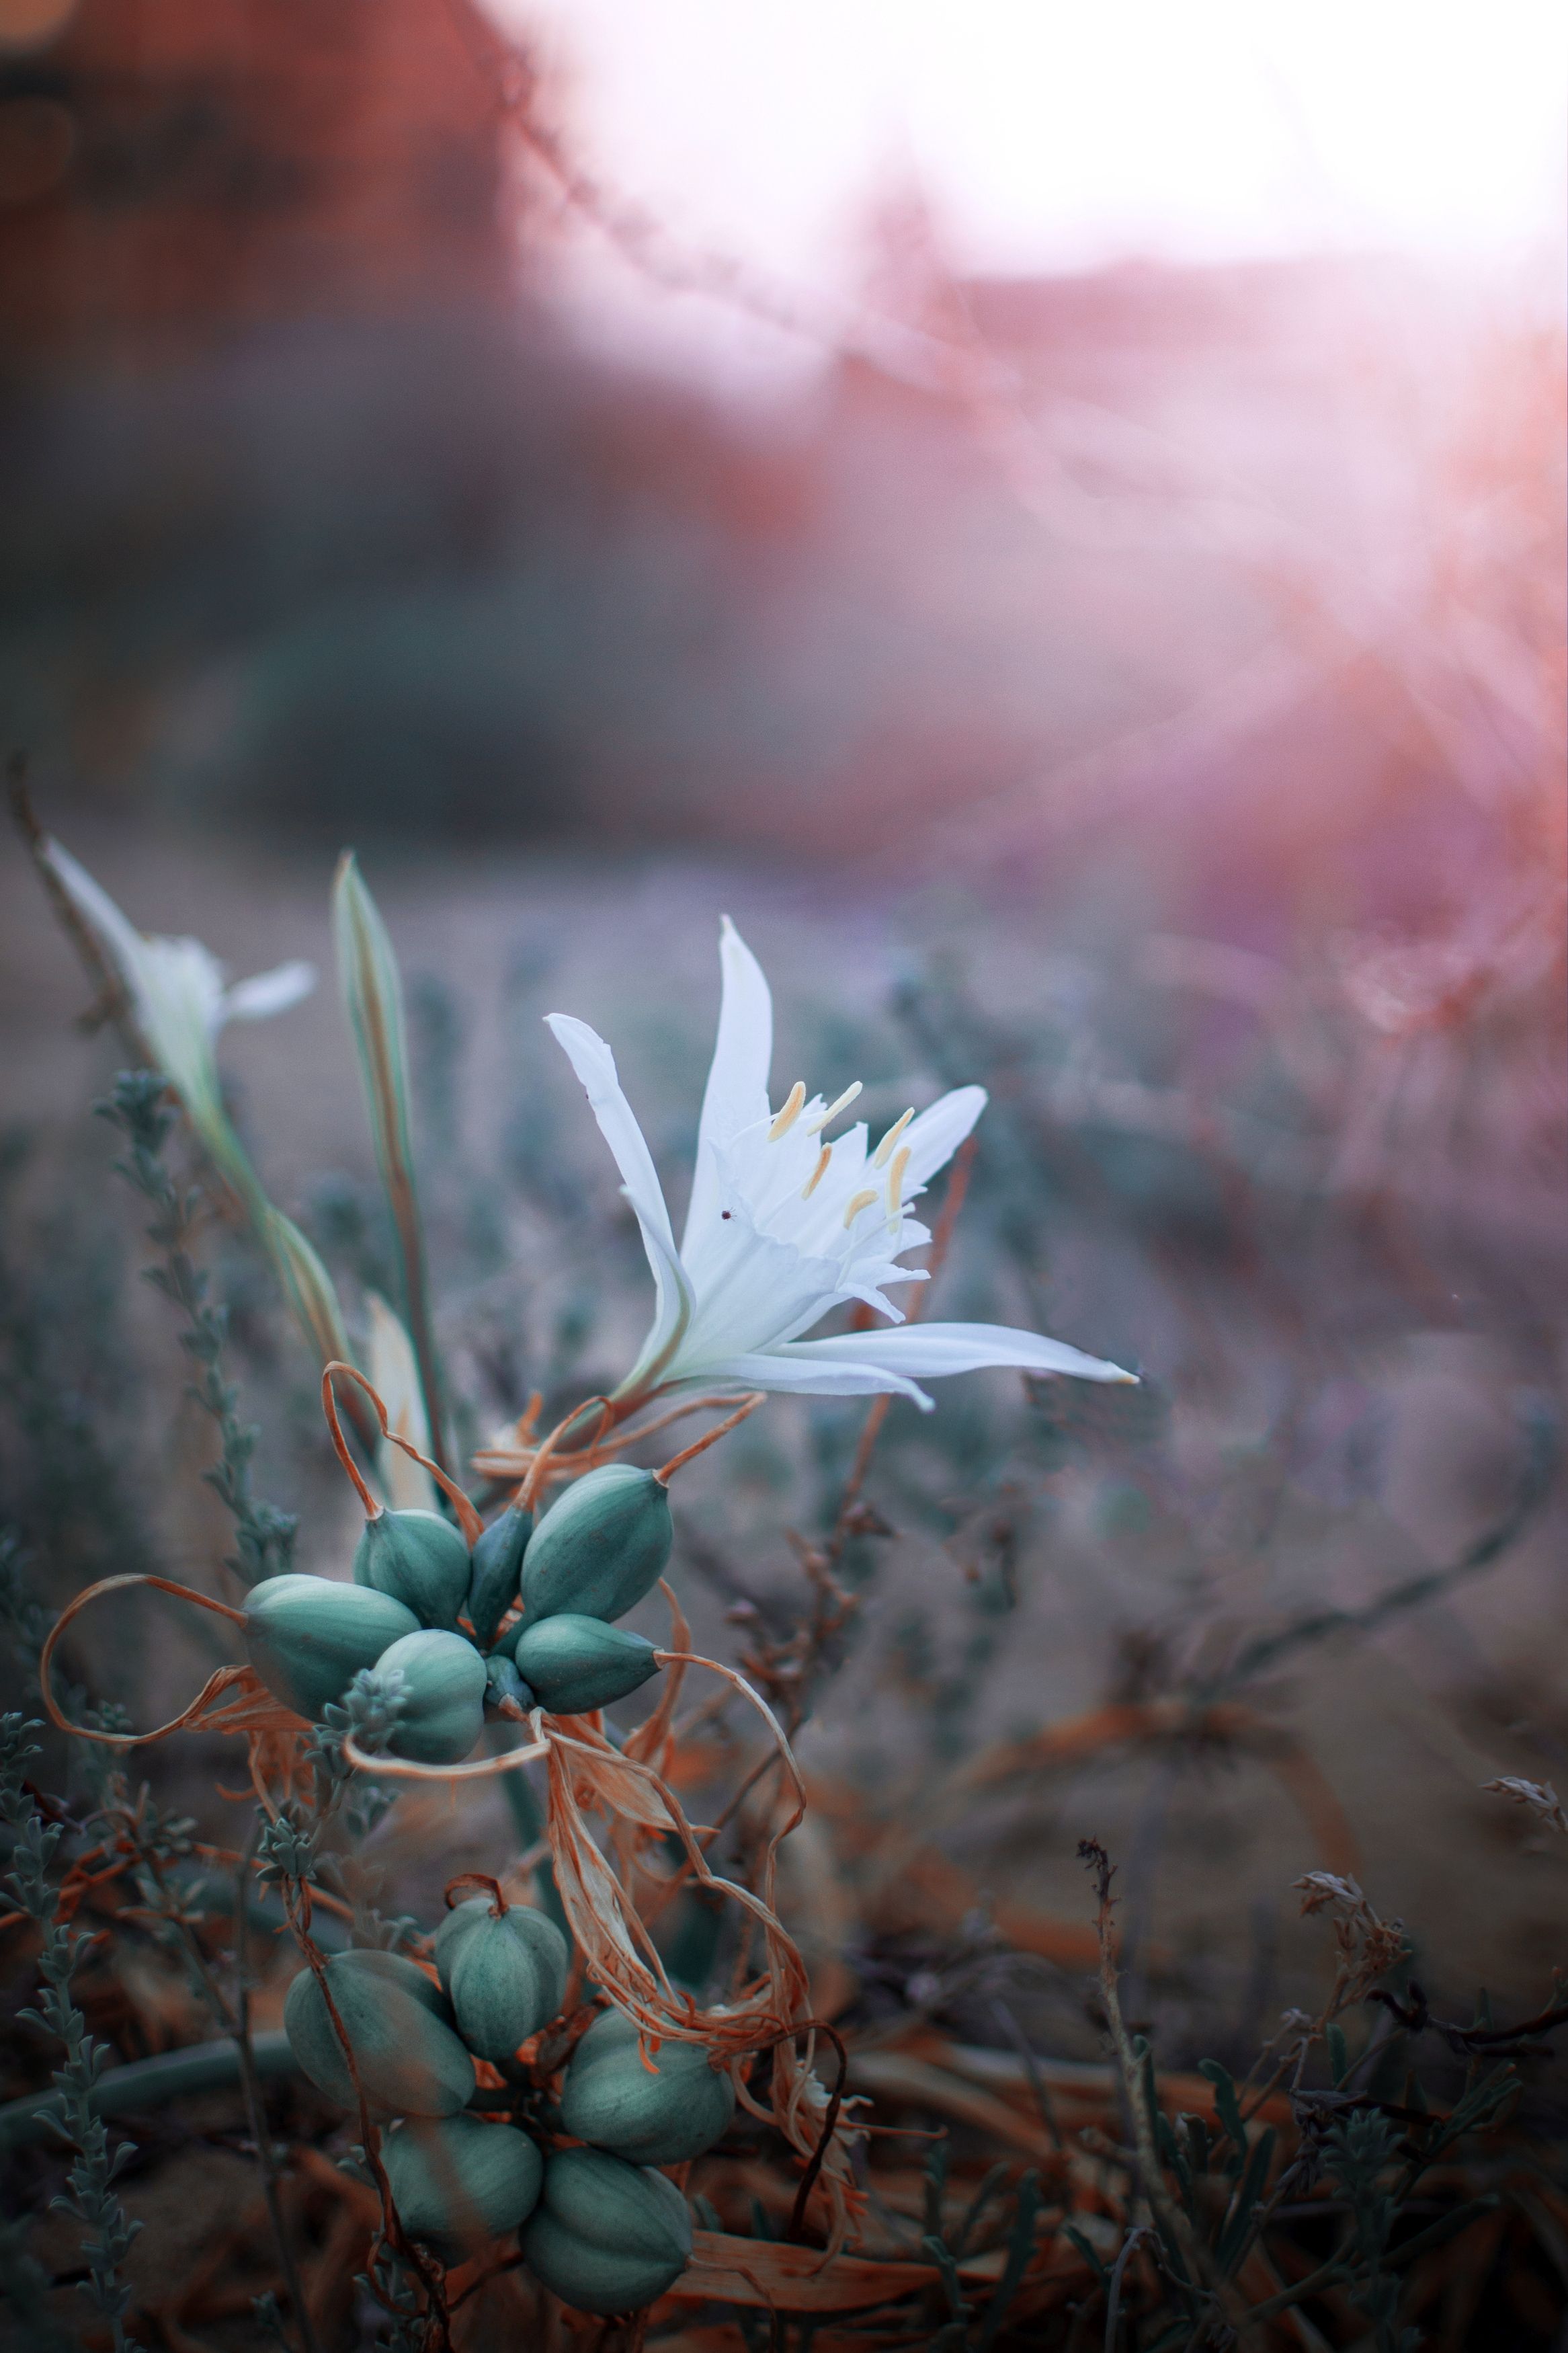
point(159, 1841)
point(89, 2184)
point(139, 1108)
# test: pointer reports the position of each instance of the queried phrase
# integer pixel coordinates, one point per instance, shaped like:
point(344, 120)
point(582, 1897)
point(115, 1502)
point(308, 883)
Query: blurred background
point(1055, 522)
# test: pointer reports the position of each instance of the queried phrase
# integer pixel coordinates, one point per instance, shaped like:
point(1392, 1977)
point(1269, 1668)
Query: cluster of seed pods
point(593, 1557)
point(599, 2225)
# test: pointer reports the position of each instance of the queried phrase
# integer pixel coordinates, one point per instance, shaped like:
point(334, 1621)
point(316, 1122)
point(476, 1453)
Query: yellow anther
point(885, 1149)
point(852, 1209)
point(896, 1182)
point(790, 1113)
point(818, 1173)
point(831, 1113)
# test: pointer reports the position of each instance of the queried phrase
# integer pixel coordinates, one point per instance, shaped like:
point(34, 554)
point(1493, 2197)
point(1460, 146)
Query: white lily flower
point(784, 1226)
point(178, 1000)
point(178, 1005)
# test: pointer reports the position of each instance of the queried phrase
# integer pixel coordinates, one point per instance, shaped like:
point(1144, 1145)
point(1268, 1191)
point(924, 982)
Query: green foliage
point(89, 2195)
point(139, 1107)
point(967, 1523)
point(964, 2329)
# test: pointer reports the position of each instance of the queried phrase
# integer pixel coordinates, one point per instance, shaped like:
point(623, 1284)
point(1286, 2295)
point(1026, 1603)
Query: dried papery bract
point(770, 2010)
point(251, 1710)
point(620, 1428)
point(468, 1519)
point(233, 1699)
point(1368, 1947)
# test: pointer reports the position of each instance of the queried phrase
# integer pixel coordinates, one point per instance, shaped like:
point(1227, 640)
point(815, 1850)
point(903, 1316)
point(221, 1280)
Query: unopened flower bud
point(308, 1637)
point(444, 1684)
point(599, 1547)
point(408, 2058)
point(574, 1663)
point(420, 1559)
point(658, 2116)
point(607, 2236)
point(458, 2183)
point(497, 1572)
point(505, 1973)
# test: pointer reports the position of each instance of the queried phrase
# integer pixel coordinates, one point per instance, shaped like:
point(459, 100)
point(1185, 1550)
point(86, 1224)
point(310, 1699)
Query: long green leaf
point(308, 1288)
point(306, 1285)
point(372, 993)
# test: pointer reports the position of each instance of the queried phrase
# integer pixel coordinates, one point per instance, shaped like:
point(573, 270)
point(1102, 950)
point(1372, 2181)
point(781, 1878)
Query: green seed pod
point(443, 1696)
point(420, 1558)
point(575, 1663)
point(503, 1683)
point(458, 2182)
point(308, 1637)
point(611, 2099)
point(599, 1547)
point(410, 2061)
point(505, 1972)
point(607, 2236)
point(497, 1572)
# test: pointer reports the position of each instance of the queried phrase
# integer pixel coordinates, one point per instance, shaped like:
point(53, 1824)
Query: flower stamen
point(895, 1185)
point(790, 1113)
point(818, 1173)
point(831, 1113)
point(885, 1149)
point(853, 1206)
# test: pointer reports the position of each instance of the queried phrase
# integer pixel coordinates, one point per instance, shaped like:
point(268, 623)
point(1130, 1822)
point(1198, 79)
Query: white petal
point(595, 1067)
point(934, 1350)
point(269, 992)
point(736, 1096)
point(181, 998)
point(750, 1291)
point(123, 940)
point(786, 1369)
point(175, 987)
point(671, 1310)
point(933, 1138)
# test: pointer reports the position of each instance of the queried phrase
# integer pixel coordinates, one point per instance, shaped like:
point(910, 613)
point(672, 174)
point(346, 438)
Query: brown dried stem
point(469, 1520)
point(110, 999)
